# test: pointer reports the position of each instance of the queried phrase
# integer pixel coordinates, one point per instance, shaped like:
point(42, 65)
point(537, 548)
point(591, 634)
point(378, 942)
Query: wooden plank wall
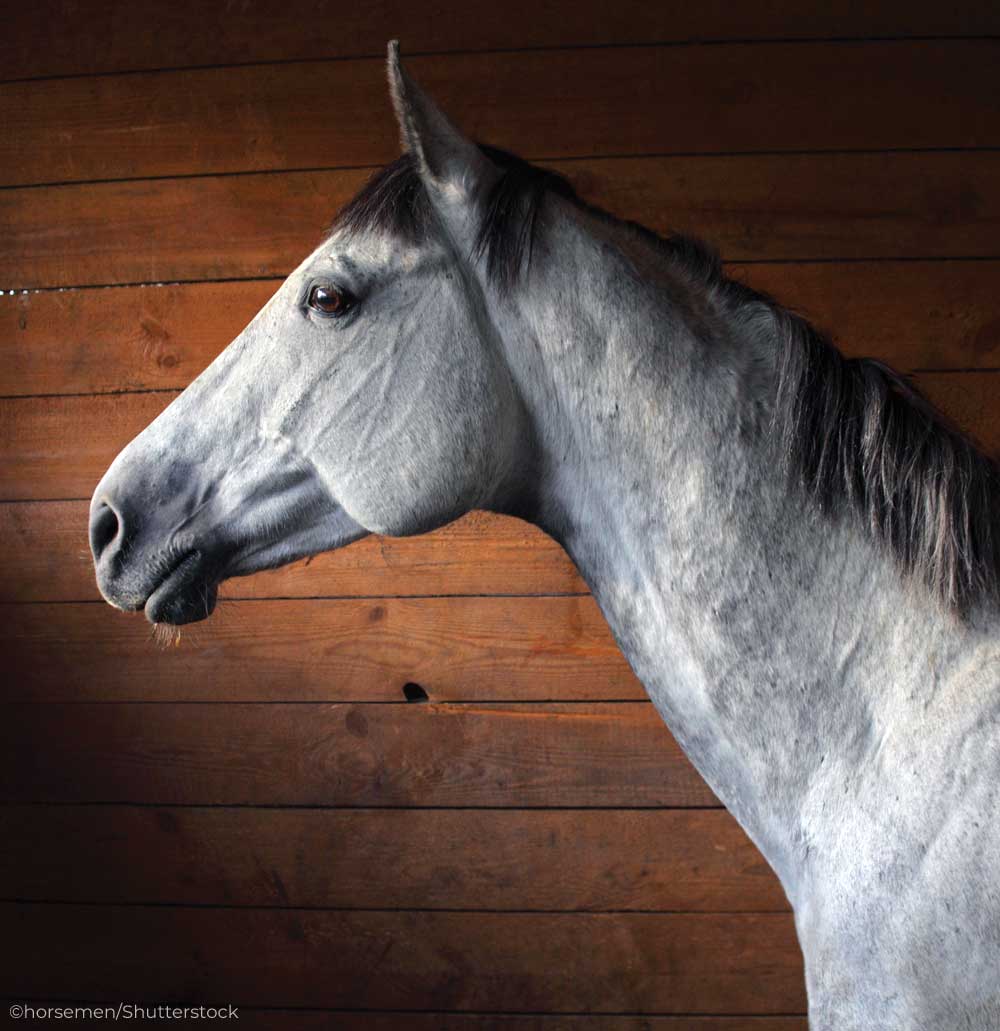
point(258, 817)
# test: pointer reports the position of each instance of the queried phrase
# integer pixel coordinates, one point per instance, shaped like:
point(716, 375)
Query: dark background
point(258, 816)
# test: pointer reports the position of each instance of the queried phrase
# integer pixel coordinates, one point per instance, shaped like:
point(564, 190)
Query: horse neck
point(762, 630)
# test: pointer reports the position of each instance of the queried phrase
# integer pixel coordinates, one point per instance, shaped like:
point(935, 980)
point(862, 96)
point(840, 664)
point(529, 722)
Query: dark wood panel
point(457, 649)
point(308, 1020)
point(50, 38)
point(124, 338)
point(661, 860)
point(577, 962)
point(752, 207)
point(973, 402)
point(59, 435)
point(560, 103)
point(49, 560)
point(507, 756)
point(930, 314)
point(58, 447)
point(148, 231)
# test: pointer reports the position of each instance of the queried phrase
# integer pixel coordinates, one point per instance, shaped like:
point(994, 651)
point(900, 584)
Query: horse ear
point(445, 157)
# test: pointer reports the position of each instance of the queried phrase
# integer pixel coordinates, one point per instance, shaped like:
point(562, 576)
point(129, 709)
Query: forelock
point(395, 203)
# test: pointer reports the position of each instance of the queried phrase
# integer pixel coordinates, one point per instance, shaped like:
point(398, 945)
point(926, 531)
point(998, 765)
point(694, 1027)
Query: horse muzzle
point(176, 583)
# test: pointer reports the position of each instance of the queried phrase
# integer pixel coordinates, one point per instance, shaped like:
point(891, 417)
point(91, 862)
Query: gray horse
point(797, 555)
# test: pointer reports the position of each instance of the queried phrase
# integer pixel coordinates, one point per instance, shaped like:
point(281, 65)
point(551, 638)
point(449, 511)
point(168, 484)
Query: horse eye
point(328, 301)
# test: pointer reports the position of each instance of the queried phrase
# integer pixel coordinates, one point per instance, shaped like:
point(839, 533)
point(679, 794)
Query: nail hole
point(414, 692)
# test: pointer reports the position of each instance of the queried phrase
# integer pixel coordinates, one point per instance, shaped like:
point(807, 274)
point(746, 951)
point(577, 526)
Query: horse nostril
point(104, 526)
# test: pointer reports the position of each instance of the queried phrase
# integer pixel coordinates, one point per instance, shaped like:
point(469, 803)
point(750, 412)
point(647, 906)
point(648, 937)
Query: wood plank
point(577, 962)
point(60, 433)
point(59, 447)
point(457, 649)
point(307, 1020)
point(751, 207)
point(557, 103)
point(49, 560)
point(972, 401)
point(124, 338)
point(658, 860)
point(50, 38)
point(505, 756)
point(912, 315)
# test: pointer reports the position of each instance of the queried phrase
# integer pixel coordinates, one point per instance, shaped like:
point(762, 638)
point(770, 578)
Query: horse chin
point(185, 596)
point(187, 607)
point(188, 593)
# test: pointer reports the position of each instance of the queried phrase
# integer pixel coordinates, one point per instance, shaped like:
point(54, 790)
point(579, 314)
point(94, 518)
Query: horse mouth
point(185, 594)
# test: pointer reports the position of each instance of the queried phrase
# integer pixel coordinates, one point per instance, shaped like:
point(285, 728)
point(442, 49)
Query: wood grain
point(59, 438)
point(912, 314)
point(505, 756)
point(457, 649)
point(558, 103)
point(344, 1021)
point(576, 962)
point(49, 38)
point(751, 207)
point(49, 560)
point(59, 447)
point(659, 860)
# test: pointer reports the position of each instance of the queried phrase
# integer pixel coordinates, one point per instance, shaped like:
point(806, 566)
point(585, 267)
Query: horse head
point(369, 395)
